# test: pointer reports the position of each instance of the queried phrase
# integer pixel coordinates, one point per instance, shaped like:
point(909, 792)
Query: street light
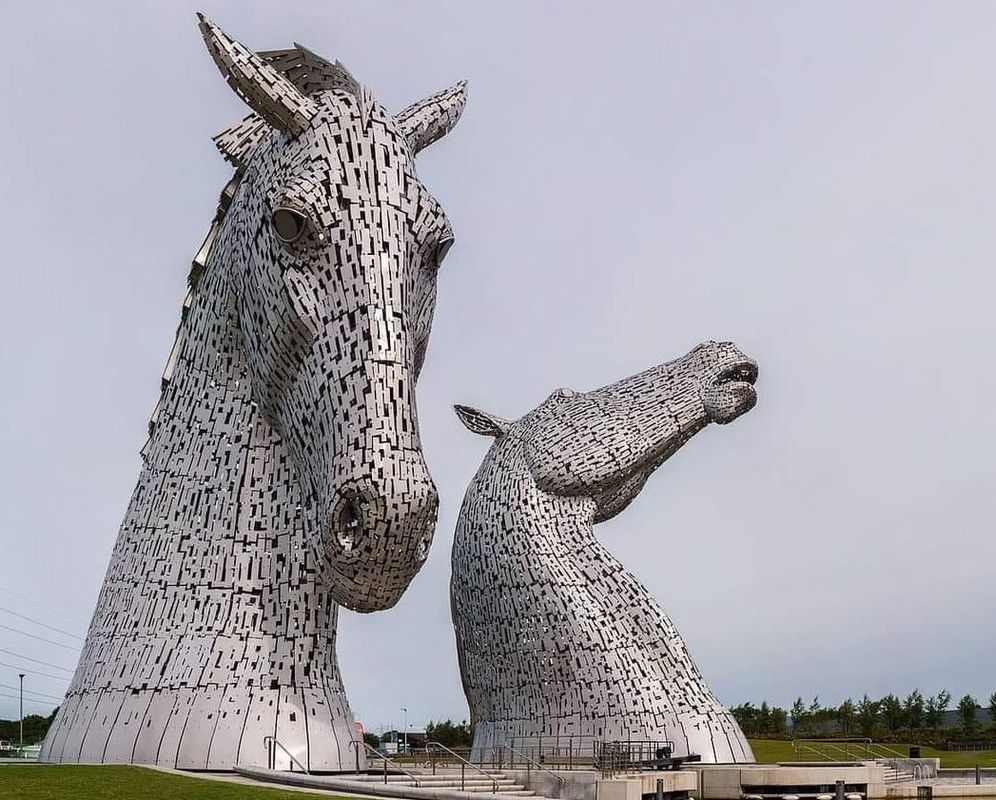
point(21, 676)
point(405, 710)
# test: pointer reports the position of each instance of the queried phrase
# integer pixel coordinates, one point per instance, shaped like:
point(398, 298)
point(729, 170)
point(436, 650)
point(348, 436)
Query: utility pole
point(405, 710)
point(21, 676)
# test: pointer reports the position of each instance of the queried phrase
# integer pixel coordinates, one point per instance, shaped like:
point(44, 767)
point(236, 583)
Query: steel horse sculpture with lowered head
point(283, 474)
point(557, 641)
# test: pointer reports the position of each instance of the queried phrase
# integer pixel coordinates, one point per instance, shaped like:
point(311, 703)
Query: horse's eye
point(442, 249)
point(288, 224)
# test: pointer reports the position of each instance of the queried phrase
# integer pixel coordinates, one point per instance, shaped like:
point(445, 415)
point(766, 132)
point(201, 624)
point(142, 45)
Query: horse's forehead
point(350, 124)
point(345, 143)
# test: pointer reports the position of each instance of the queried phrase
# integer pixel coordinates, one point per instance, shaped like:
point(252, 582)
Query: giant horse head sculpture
point(331, 244)
point(598, 448)
point(556, 640)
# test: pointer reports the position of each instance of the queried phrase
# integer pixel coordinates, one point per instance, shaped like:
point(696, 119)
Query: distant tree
point(779, 720)
point(931, 713)
point(867, 716)
point(764, 717)
point(814, 717)
point(799, 716)
point(846, 714)
point(371, 739)
point(913, 710)
point(892, 712)
point(35, 728)
point(449, 734)
point(935, 719)
point(746, 716)
point(992, 709)
point(966, 710)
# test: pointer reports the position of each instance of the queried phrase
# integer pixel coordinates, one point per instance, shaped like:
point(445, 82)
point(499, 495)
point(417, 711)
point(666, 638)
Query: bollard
point(385, 769)
point(840, 790)
point(660, 789)
point(978, 775)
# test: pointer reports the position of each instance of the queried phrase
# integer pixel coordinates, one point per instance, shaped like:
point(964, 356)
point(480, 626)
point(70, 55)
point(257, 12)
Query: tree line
point(446, 732)
point(35, 728)
point(915, 718)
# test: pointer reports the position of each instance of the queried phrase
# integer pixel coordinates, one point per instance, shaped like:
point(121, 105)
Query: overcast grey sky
point(813, 181)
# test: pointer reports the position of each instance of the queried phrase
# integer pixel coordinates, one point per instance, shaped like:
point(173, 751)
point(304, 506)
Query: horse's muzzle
point(376, 535)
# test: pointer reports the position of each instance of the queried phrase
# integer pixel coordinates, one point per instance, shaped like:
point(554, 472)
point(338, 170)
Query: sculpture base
point(205, 728)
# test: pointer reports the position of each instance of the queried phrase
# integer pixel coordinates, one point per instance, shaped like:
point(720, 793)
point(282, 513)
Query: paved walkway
point(231, 777)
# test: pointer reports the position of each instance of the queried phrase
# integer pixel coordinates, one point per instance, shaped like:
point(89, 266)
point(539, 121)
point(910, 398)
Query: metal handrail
point(824, 749)
point(271, 743)
point(386, 760)
point(872, 749)
point(528, 760)
point(464, 763)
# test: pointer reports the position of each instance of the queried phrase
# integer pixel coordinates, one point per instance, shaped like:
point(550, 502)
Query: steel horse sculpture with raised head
point(283, 472)
point(557, 642)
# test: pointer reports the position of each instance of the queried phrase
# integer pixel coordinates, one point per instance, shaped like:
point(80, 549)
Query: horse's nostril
point(422, 548)
point(348, 526)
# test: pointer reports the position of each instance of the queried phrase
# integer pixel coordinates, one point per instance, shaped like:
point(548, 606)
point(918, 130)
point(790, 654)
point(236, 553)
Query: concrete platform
point(679, 783)
point(732, 782)
point(702, 782)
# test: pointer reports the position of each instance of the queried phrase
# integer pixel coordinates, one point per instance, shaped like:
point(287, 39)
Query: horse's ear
point(432, 118)
point(481, 422)
point(264, 89)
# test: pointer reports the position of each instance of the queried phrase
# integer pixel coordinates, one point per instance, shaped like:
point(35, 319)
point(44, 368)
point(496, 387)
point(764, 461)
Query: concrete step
point(433, 780)
point(475, 783)
point(449, 790)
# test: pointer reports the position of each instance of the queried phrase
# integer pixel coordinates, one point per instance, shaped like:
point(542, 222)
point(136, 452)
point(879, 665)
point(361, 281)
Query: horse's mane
point(311, 74)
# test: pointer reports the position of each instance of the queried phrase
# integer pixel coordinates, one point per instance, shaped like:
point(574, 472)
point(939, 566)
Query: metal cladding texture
point(283, 473)
point(556, 640)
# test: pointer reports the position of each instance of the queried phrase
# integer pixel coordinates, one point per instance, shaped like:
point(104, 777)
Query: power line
point(40, 638)
point(50, 627)
point(36, 660)
point(42, 605)
point(26, 699)
point(30, 691)
point(35, 672)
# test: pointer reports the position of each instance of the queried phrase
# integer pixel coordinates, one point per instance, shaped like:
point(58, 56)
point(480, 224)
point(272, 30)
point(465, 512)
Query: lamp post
point(405, 711)
point(21, 676)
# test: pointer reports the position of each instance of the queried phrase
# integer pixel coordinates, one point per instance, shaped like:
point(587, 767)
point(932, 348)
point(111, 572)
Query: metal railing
point(538, 765)
point(629, 756)
point(464, 763)
point(858, 749)
point(357, 743)
point(559, 752)
point(849, 749)
point(271, 743)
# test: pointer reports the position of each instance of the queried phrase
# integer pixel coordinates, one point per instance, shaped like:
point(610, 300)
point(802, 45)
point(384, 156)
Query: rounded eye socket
point(442, 249)
point(288, 224)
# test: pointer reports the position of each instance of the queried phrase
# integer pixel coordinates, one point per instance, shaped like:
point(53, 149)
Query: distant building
point(952, 719)
point(394, 741)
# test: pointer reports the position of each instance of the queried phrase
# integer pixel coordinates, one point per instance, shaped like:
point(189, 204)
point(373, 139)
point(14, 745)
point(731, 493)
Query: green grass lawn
point(770, 751)
point(72, 782)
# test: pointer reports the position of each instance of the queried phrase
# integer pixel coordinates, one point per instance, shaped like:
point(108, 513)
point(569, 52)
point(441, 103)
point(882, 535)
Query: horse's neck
point(213, 548)
point(552, 540)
